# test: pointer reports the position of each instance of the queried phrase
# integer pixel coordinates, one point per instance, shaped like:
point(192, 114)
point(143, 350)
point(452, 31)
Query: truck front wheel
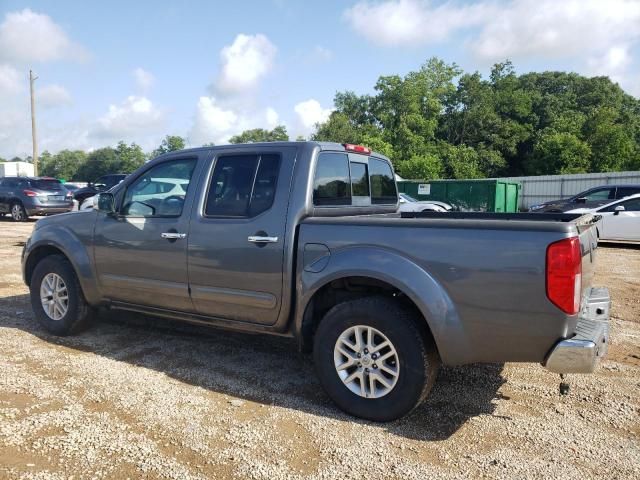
point(373, 360)
point(56, 297)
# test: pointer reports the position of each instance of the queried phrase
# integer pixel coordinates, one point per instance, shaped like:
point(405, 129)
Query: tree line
point(439, 122)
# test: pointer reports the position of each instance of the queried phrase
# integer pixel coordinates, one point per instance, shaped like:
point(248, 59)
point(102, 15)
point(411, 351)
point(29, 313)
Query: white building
point(16, 169)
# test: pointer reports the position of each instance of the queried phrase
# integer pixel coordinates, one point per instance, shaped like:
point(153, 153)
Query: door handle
point(173, 235)
point(261, 239)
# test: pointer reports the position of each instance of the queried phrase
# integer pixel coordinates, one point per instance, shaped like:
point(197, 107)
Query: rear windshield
point(46, 184)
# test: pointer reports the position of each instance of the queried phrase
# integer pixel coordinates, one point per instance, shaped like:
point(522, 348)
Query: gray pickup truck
point(303, 240)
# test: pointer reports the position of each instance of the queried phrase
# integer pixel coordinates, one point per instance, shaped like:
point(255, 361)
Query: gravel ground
point(123, 400)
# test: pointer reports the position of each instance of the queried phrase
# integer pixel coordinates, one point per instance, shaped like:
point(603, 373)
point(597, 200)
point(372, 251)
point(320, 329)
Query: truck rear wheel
point(373, 360)
point(56, 297)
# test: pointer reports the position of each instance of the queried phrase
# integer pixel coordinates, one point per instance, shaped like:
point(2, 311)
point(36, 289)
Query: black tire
point(417, 357)
point(78, 314)
point(18, 213)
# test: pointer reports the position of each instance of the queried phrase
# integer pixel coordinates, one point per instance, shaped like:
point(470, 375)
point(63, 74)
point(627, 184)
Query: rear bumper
point(43, 210)
point(582, 352)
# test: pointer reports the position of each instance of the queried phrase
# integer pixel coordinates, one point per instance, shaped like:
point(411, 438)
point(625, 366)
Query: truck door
point(141, 253)
point(237, 235)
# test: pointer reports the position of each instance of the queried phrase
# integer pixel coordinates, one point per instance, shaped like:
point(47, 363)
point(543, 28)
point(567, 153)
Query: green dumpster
point(485, 195)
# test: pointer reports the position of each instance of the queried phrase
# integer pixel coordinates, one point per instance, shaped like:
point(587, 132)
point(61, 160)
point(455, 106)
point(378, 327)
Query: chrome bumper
point(581, 353)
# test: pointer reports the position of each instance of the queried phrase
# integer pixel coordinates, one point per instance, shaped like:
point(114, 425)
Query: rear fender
point(405, 275)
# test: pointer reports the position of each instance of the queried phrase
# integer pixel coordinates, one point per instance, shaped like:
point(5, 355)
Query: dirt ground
point(141, 398)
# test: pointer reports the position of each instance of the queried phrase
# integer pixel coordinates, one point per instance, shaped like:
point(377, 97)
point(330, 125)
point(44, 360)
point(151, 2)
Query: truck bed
point(491, 266)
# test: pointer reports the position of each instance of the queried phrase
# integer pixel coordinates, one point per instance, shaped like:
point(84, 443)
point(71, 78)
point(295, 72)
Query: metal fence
point(543, 188)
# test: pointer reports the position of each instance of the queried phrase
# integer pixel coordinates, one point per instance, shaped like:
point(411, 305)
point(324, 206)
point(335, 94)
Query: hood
point(68, 218)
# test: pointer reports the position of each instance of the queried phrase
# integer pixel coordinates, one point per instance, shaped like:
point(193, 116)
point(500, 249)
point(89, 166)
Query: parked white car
point(620, 219)
point(410, 204)
point(87, 203)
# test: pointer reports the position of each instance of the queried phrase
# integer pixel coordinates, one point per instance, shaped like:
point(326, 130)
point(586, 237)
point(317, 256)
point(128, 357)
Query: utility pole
point(34, 137)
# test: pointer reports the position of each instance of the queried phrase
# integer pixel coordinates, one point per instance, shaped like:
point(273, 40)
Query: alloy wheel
point(54, 296)
point(366, 361)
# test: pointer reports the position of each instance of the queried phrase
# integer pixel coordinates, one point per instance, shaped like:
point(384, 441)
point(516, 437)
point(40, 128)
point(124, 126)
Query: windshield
point(46, 184)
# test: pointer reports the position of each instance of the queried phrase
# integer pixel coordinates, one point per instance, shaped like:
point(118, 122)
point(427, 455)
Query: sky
point(207, 70)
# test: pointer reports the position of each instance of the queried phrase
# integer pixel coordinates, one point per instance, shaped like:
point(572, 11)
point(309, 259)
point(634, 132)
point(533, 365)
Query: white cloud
point(272, 118)
point(245, 62)
point(308, 114)
point(217, 123)
point(614, 63)
point(596, 36)
point(144, 79)
point(552, 29)
point(212, 123)
point(27, 36)
point(136, 116)
point(10, 81)
point(52, 96)
point(412, 22)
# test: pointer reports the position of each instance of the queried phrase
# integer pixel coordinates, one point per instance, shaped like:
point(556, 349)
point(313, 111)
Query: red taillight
point(564, 274)
point(30, 193)
point(357, 149)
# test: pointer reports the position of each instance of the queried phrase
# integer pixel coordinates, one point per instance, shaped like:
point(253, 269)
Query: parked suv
point(25, 196)
point(592, 198)
point(102, 184)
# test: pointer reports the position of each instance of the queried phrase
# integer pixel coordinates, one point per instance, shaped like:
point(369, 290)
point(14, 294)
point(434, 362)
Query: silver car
point(23, 197)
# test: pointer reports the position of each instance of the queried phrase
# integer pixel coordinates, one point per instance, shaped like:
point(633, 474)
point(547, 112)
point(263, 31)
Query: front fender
point(62, 238)
point(404, 274)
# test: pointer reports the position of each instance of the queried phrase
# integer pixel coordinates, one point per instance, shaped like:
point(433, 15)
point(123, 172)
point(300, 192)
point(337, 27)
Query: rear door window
point(383, 185)
point(242, 185)
point(332, 184)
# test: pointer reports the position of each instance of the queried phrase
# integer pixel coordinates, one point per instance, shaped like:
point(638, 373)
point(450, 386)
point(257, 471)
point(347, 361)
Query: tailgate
point(588, 244)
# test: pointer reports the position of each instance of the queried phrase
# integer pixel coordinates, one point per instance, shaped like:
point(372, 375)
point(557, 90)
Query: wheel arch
point(387, 273)
point(72, 250)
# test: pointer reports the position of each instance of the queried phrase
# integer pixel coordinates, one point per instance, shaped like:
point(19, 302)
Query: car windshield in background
point(408, 198)
point(46, 184)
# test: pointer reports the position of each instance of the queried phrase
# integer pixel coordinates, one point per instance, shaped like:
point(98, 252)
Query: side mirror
point(402, 200)
point(618, 209)
point(581, 200)
point(106, 203)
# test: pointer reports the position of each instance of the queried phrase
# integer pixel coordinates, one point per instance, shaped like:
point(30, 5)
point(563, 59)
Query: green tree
point(170, 143)
point(99, 162)
point(506, 124)
point(261, 135)
point(424, 167)
point(129, 157)
point(338, 128)
point(560, 153)
point(612, 143)
point(64, 164)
